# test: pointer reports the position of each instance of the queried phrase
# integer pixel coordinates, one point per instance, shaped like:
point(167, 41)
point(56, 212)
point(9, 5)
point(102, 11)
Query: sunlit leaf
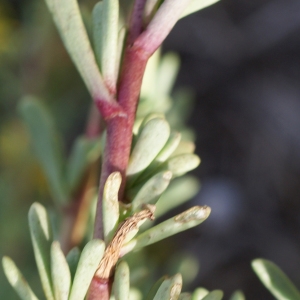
point(111, 204)
point(88, 263)
point(17, 280)
point(197, 5)
point(169, 289)
point(122, 282)
point(61, 276)
point(238, 295)
point(188, 219)
point(152, 138)
point(67, 17)
point(150, 192)
point(199, 293)
point(41, 237)
point(214, 295)
point(275, 280)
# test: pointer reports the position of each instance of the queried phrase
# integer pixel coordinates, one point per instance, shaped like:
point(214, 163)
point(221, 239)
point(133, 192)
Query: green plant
point(145, 148)
point(140, 154)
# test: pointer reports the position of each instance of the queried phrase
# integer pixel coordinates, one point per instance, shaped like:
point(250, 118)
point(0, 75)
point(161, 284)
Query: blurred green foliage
point(32, 61)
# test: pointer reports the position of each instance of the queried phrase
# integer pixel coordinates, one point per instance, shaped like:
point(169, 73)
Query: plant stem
point(119, 127)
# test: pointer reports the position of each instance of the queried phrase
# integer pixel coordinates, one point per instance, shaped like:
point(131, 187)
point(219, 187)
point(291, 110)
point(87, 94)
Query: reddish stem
point(119, 127)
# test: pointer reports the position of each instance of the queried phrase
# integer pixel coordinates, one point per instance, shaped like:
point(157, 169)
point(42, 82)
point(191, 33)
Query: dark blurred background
point(242, 58)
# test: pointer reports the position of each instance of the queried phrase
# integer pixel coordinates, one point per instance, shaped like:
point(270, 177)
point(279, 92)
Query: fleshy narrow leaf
point(97, 16)
point(122, 281)
point(169, 147)
point(167, 73)
point(88, 263)
point(83, 153)
point(121, 40)
point(72, 259)
point(150, 74)
point(152, 138)
point(188, 219)
point(46, 144)
point(199, 293)
point(237, 295)
point(169, 289)
point(67, 17)
point(183, 163)
point(179, 191)
point(151, 7)
point(135, 294)
point(275, 280)
point(150, 192)
point(155, 288)
point(41, 237)
point(214, 295)
point(109, 52)
point(61, 276)
point(196, 5)
point(17, 280)
point(111, 204)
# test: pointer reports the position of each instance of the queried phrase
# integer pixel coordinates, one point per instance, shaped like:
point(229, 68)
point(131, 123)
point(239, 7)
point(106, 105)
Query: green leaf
point(162, 156)
point(155, 288)
point(17, 280)
point(151, 7)
point(199, 293)
point(150, 192)
point(67, 17)
point(183, 163)
point(169, 147)
point(196, 5)
point(120, 50)
point(97, 17)
point(61, 275)
point(149, 78)
point(151, 140)
point(275, 280)
point(135, 294)
point(88, 263)
point(167, 73)
point(179, 191)
point(41, 237)
point(169, 289)
point(122, 281)
point(72, 259)
point(46, 144)
point(214, 295)
point(84, 152)
point(188, 219)
point(238, 295)
point(109, 52)
point(111, 205)
point(185, 296)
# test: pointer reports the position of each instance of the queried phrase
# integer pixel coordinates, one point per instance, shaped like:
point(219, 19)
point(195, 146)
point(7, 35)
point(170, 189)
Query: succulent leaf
point(88, 263)
point(17, 280)
point(275, 280)
point(41, 236)
point(122, 281)
point(188, 219)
